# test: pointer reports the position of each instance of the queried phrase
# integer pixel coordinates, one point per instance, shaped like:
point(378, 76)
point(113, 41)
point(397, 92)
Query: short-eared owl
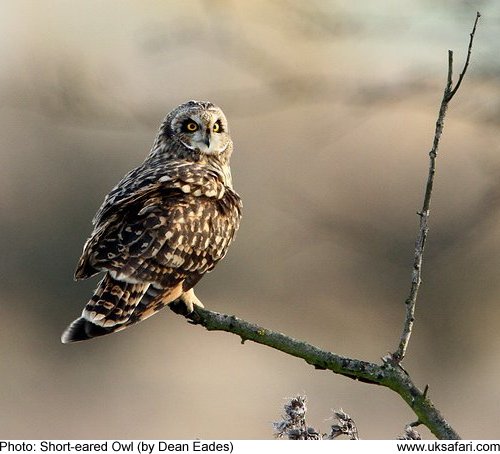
point(166, 224)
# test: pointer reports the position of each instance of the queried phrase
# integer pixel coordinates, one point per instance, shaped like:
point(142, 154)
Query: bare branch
point(386, 374)
point(424, 214)
point(469, 52)
point(390, 373)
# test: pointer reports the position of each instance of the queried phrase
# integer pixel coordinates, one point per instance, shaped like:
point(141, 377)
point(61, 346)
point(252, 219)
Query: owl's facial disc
point(204, 131)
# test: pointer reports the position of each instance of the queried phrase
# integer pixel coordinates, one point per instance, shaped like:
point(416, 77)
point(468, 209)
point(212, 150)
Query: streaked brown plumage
point(166, 224)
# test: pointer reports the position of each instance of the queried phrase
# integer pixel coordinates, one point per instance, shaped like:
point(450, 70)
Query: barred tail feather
point(81, 329)
point(100, 317)
point(113, 302)
point(110, 307)
point(153, 301)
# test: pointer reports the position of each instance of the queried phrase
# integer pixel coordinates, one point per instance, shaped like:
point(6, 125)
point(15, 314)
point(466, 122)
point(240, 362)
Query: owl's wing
point(155, 244)
point(163, 234)
point(147, 178)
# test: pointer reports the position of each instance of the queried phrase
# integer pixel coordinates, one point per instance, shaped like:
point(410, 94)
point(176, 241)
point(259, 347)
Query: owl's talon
point(190, 300)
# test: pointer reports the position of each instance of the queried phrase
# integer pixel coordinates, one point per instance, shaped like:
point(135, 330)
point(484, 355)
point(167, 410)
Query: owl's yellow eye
point(191, 126)
point(217, 127)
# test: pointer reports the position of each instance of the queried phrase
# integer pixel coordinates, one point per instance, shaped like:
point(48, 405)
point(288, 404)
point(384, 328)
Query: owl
point(163, 226)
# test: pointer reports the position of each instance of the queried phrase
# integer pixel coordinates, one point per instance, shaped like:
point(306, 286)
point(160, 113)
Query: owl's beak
point(206, 139)
point(204, 143)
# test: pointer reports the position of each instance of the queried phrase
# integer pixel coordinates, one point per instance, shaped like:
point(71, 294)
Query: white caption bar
point(244, 446)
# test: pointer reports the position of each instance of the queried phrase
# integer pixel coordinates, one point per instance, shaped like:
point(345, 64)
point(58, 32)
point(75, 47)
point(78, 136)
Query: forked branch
point(424, 213)
point(389, 373)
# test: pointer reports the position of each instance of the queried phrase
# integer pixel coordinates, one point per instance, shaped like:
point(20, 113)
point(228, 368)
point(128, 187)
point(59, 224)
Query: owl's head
point(200, 127)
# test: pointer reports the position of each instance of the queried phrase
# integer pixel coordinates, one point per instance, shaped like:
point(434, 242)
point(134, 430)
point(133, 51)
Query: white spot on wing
point(177, 260)
point(122, 277)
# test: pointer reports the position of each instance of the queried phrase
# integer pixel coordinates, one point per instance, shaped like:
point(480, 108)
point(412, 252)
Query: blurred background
point(332, 106)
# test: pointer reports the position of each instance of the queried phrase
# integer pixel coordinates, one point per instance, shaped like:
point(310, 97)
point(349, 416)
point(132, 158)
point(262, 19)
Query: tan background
point(332, 106)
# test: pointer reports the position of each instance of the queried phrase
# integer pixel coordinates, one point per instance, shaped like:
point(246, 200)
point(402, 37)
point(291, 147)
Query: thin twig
point(424, 214)
point(469, 52)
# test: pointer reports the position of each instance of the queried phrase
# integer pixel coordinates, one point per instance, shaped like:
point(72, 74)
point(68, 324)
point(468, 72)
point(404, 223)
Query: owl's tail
point(107, 311)
point(118, 304)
